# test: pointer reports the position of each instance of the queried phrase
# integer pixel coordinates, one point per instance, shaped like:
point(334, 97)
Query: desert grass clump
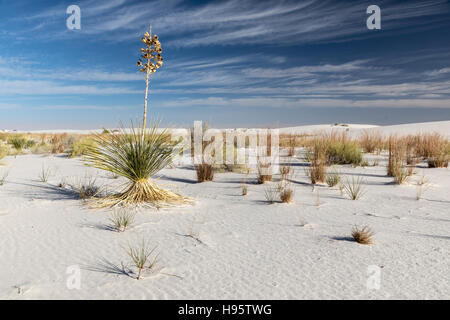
point(286, 195)
point(354, 187)
point(141, 255)
point(44, 174)
point(271, 194)
point(316, 154)
point(122, 219)
point(60, 143)
point(205, 172)
point(136, 156)
point(371, 141)
point(80, 147)
point(333, 178)
point(363, 235)
point(263, 172)
point(18, 142)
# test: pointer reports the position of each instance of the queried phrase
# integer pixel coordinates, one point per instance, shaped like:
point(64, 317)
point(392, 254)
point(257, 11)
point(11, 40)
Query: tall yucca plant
point(149, 61)
point(136, 156)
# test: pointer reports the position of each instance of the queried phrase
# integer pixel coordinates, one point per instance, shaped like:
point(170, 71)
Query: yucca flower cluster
point(151, 54)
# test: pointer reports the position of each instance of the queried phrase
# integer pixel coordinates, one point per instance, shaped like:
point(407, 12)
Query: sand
point(242, 247)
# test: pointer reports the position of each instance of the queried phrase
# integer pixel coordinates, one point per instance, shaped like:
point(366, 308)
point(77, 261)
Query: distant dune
point(442, 127)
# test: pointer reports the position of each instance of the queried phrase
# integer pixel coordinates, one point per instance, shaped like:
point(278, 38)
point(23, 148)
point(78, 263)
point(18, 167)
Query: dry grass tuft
point(205, 172)
point(363, 235)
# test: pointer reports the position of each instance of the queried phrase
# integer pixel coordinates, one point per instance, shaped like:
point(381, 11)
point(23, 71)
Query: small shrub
point(80, 147)
point(354, 188)
point(205, 172)
point(363, 235)
point(18, 142)
point(333, 178)
point(346, 152)
point(121, 219)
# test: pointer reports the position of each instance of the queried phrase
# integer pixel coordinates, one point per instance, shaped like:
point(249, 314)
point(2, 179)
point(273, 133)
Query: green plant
point(136, 156)
point(333, 178)
point(44, 174)
point(121, 219)
point(354, 188)
point(140, 255)
point(80, 147)
point(344, 152)
point(18, 142)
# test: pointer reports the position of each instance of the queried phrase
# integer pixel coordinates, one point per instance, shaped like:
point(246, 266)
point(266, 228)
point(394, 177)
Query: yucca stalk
point(150, 61)
point(136, 156)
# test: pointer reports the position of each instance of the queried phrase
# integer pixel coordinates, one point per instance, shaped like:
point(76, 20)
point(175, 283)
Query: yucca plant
point(136, 156)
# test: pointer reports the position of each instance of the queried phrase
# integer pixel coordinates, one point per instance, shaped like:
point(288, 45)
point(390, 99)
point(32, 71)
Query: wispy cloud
point(236, 22)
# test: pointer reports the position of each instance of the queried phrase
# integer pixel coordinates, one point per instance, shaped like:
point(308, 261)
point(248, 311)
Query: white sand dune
point(246, 248)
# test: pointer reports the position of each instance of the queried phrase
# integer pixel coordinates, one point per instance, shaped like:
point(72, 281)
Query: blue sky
point(230, 63)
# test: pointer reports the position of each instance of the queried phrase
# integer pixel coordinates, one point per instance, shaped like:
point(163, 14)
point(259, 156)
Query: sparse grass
point(401, 173)
point(3, 177)
point(44, 174)
point(87, 188)
point(121, 219)
point(333, 178)
point(271, 194)
point(141, 255)
point(244, 189)
point(205, 172)
point(285, 171)
point(371, 141)
point(354, 187)
point(421, 187)
point(363, 235)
